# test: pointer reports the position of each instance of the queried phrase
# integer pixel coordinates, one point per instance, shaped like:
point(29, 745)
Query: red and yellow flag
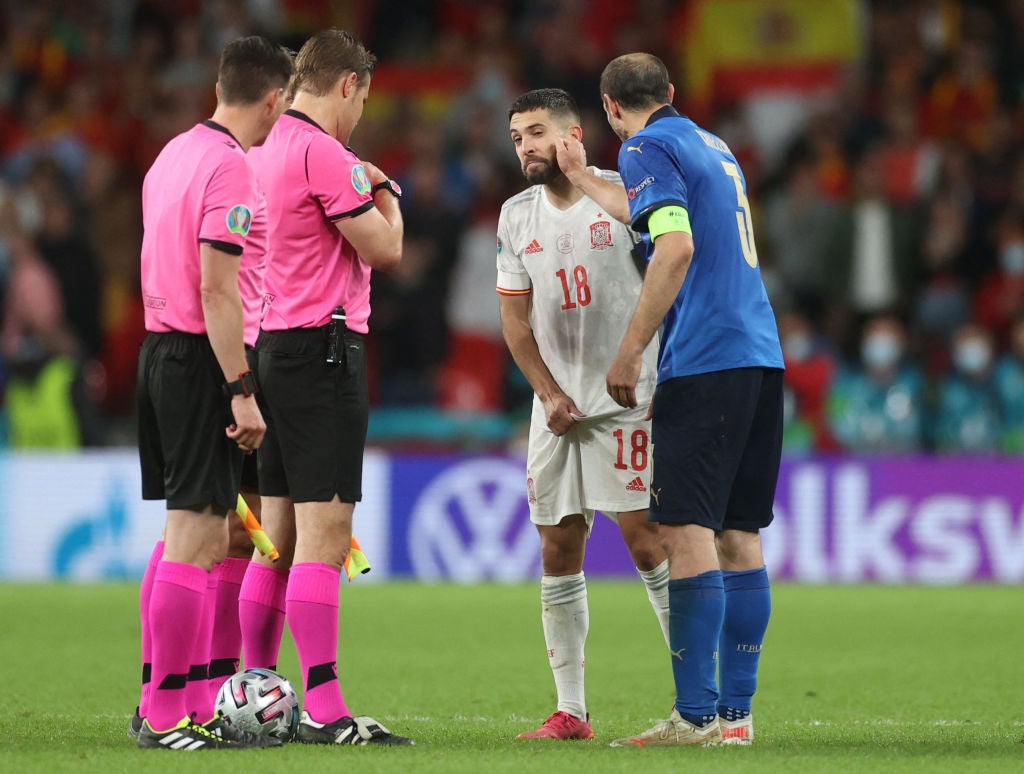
point(730, 48)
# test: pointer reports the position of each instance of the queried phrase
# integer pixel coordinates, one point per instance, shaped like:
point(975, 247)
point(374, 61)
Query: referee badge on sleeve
point(360, 182)
point(239, 219)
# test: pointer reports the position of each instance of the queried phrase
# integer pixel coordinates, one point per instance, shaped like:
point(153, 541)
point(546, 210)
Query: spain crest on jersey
point(600, 235)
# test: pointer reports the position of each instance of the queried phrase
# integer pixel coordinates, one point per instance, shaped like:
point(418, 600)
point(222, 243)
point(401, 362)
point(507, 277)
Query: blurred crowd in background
point(882, 142)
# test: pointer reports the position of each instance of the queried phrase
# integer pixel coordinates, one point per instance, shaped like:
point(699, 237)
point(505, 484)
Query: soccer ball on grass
point(260, 701)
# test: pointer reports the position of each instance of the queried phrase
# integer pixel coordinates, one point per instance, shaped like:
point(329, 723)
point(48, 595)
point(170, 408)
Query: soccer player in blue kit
point(717, 413)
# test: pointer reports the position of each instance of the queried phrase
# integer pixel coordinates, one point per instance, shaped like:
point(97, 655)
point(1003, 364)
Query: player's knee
point(647, 551)
point(557, 561)
point(739, 549)
point(562, 552)
point(643, 541)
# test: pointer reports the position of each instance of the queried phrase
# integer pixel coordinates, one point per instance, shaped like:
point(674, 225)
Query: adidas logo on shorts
point(636, 485)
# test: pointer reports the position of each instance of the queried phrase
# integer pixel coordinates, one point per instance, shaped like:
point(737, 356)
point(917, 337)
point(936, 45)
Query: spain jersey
point(577, 266)
point(722, 318)
point(199, 190)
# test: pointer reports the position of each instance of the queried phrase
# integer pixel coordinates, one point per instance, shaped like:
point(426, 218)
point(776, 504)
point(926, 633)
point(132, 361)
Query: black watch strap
point(390, 186)
point(245, 385)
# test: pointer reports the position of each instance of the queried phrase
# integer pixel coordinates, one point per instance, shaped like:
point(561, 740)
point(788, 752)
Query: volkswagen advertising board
point(464, 518)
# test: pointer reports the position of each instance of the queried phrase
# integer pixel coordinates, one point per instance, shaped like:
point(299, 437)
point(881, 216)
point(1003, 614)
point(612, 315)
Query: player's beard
point(545, 174)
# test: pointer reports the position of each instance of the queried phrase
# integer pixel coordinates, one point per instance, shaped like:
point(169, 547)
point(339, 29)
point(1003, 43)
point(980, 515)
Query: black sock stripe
point(198, 672)
point(147, 673)
point(172, 682)
point(320, 674)
point(223, 667)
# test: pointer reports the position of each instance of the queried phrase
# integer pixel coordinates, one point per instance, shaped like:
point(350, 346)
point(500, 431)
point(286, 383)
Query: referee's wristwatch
point(390, 186)
point(244, 385)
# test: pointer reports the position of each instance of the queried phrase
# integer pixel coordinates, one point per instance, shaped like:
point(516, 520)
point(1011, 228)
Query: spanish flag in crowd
point(730, 48)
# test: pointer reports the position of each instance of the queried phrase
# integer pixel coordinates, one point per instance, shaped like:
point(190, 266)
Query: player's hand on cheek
point(571, 156)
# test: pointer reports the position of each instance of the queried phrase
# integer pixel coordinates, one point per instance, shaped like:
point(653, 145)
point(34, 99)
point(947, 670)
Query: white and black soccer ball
point(260, 701)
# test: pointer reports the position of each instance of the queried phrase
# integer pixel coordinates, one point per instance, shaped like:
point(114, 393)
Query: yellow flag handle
point(356, 562)
point(259, 538)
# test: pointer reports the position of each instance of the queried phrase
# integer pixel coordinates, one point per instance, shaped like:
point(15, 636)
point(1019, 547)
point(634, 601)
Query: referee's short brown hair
point(250, 67)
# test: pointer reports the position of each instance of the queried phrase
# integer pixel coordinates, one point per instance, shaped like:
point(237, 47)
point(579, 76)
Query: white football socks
point(566, 619)
point(656, 581)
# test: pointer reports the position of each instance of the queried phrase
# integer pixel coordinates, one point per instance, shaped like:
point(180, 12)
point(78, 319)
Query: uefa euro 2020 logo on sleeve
point(360, 181)
point(239, 219)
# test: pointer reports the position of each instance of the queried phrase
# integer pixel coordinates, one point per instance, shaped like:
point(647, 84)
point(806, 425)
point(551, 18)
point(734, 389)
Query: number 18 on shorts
point(599, 465)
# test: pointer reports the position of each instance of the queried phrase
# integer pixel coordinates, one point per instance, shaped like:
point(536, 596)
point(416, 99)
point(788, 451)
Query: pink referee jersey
point(254, 261)
point(200, 189)
point(251, 270)
point(313, 181)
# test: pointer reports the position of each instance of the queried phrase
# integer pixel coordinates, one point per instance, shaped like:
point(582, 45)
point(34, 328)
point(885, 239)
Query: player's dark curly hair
point(250, 67)
point(636, 81)
point(326, 57)
point(557, 101)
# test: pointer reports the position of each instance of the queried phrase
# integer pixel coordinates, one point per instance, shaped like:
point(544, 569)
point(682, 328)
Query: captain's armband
point(665, 219)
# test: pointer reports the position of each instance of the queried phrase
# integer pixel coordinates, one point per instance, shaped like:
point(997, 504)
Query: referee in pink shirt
point(196, 405)
point(332, 218)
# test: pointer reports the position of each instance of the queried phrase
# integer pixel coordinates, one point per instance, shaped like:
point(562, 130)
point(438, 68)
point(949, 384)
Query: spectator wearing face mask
point(1009, 384)
point(877, 404)
point(810, 367)
point(999, 299)
point(967, 407)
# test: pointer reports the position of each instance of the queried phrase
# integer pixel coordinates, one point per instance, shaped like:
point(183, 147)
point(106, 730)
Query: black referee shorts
point(186, 458)
point(717, 447)
point(316, 416)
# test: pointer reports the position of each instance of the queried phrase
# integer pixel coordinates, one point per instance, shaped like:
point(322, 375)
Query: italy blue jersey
point(722, 318)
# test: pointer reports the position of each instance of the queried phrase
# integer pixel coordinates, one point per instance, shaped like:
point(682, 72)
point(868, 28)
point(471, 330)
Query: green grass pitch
point(853, 679)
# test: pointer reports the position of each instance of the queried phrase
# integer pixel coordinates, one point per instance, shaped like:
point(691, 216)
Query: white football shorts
point(601, 464)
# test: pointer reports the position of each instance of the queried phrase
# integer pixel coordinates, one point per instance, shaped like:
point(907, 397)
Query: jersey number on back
point(744, 223)
point(582, 291)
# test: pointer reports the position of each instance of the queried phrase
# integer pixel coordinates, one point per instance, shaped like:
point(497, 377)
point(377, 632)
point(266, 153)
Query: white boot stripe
point(345, 734)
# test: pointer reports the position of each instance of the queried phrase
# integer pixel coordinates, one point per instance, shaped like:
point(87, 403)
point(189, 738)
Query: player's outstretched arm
point(572, 159)
point(515, 327)
point(666, 272)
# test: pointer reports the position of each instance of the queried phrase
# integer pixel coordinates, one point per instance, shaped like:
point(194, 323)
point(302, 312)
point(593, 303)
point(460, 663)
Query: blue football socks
point(696, 610)
point(748, 605)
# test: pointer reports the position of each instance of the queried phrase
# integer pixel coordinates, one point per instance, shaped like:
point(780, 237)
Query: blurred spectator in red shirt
point(1000, 298)
point(810, 368)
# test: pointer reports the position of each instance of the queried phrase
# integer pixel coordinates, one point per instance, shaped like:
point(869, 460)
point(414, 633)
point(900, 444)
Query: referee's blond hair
point(326, 57)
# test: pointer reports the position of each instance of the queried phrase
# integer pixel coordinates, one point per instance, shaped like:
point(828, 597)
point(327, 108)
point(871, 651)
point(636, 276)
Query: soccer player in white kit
point(567, 285)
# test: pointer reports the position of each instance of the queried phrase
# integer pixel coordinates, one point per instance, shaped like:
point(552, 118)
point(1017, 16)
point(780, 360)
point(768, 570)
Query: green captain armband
point(673, 218)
